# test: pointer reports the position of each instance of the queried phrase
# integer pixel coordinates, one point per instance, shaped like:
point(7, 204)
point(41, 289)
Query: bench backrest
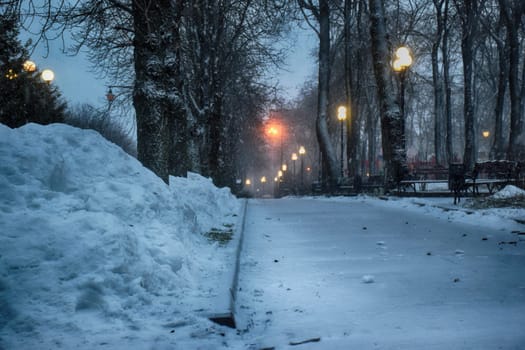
point(431, 173)
point(496, 169)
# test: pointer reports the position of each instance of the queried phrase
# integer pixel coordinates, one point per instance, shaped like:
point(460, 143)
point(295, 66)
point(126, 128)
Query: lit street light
point(275, 131)
point(294, 159)
point(110, 96)
point(263, 182)
point(486, 135)
point(47, 75)
point(341, 115)
point(29, 66)
point(401, 63)
point(302, 152)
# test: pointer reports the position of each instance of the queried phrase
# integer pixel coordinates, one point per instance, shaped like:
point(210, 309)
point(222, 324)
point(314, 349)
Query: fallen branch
point(312, 340)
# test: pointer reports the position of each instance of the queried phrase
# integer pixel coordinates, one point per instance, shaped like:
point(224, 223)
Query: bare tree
point(468, 13)
point(513, 12)
point(155, 96)
point(392, 124)
point(321, 13)
point(440, 121)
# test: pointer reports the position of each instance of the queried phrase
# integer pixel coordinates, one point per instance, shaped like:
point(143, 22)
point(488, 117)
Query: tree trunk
point(323, 135)
point(439, 97)
point(447, 85)
point(215, 136)
point(392, 125)
point(350, 103)
point(498, 146)
point(467, 12)
point(513, 20)
point(179, 153)
point(153, 96)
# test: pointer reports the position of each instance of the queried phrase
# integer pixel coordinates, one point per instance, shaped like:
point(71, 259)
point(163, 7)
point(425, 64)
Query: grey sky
point(78, 84)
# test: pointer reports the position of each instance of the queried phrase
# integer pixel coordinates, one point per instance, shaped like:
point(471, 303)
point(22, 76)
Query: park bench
point(494, 175)
point(372, 184)
point(420, 178)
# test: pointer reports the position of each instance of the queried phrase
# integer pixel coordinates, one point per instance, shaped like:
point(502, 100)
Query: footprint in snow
point(368, 279)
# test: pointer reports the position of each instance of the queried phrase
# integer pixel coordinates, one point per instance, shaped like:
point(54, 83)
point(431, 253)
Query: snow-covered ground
point(367, 273)
point(97, 252)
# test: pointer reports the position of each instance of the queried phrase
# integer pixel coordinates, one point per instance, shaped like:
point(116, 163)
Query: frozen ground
point(98, 253)
point(364, 273)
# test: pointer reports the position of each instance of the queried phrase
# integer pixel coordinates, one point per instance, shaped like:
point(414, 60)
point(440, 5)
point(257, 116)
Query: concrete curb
point(228, 318)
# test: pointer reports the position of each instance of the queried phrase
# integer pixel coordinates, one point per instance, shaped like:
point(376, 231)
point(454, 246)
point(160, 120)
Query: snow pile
point(509, 191)
point(95, 245)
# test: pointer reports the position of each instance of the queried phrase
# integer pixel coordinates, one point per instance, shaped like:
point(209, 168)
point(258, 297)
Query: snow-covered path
point(367, 275)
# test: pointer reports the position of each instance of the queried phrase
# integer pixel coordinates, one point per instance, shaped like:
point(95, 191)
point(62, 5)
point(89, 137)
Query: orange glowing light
point(273, 130)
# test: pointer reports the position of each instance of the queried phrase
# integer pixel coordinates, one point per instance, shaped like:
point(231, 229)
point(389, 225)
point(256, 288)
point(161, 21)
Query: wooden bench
point(372, 184)
point(494, 175)
point(421, 177)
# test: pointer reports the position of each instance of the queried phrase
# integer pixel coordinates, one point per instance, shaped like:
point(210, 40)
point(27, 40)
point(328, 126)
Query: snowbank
point(94, 245)
point(509, 191)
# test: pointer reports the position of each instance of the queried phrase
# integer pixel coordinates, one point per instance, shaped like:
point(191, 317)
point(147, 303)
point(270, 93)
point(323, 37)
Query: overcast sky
point(78, 84)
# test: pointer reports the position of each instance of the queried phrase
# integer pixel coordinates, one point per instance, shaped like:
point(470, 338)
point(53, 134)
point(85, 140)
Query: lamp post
point(263, 182)
point(47, 76)
point(110, 96)
point(294, 159)
point(302, 152)
point(29, 66)
point(341, 115)
point(275, 130)
point(401, 63)
point(486, 135)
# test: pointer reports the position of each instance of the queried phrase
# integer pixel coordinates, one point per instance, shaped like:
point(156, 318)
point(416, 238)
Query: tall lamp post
point(486, 135)
point(401, 63)
point(275, 130)
point(294, 159)
point(302, 152)
point(263, 182)
point(341, 115)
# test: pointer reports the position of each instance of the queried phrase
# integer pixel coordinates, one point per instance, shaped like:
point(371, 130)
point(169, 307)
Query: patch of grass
point(222, 236)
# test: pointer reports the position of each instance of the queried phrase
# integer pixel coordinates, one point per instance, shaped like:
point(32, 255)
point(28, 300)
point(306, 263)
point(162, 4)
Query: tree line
point(468, 76)
point(196, 72)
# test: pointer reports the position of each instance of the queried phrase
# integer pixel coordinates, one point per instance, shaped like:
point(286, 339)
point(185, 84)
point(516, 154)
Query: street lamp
point(401, 63)
point(263, 182)
point(302, 152)
point(110, 96)
point(47, 75)
point(294, 158)
point(341, 115)
point(29, 66)
point(275, 130)
point(486, 135)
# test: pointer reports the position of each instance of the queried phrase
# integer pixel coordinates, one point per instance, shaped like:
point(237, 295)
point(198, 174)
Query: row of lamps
point(47, 75)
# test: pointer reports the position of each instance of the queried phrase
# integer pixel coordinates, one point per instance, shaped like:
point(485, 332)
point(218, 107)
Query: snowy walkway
point(368, 275)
